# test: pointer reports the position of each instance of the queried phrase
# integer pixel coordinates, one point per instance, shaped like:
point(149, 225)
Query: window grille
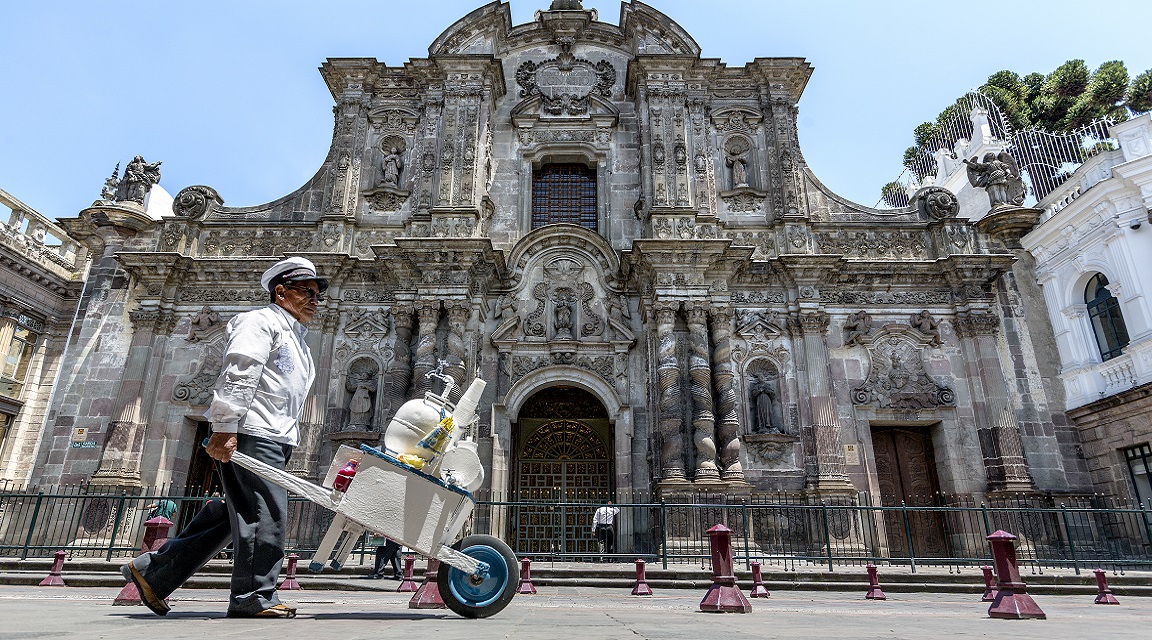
point(1140, 469)
point(564, 193)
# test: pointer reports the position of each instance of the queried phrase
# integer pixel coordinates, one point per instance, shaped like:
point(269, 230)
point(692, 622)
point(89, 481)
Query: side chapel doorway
point(906, 474)
point(563, 455)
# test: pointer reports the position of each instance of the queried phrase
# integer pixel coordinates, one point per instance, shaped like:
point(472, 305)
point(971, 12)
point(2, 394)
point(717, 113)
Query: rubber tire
point(490, 596)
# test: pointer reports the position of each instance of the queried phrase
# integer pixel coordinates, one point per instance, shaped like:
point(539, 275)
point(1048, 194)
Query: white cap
point(293, 269)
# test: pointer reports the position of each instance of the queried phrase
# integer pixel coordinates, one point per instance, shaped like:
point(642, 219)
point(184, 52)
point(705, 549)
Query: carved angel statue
point(927, 325)
point(999, 175)
point(857, 326)
point(202, 323)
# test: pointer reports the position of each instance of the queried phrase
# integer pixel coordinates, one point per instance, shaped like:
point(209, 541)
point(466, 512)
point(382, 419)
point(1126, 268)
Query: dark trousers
point(252, 518)
point(606, 536)
point(388, 553)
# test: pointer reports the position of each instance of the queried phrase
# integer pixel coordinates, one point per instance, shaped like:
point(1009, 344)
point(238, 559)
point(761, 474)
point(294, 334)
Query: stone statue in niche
point(764, 399)
point(362, 385)
point(139, 177)
point(563, 318)
point(999, 175)
point(737, 159)
point(393, 164)
point(856, 327)
point(927, 325)
point(202, 323)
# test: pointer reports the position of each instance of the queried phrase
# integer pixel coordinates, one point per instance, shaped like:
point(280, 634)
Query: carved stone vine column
point(429, 314)
point(668, 381)
point(996, 424)
point(700, 372)
point(727, 413)
point(824, 427)
point(455, 349)
point(120, 460)
point(401, 372)
point(305, 460)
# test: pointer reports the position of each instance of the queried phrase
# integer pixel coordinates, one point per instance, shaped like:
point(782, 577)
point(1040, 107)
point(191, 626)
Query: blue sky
point(228, 94)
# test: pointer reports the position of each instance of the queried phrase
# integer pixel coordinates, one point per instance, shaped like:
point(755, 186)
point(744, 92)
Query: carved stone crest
point(193, 202)
point(565, 84)
point(897, 378)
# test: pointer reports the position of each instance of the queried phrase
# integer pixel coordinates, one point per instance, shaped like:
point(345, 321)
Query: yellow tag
point(411, 460)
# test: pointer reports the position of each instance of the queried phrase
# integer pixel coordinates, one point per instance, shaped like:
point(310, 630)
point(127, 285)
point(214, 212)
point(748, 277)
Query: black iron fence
point(782, 532)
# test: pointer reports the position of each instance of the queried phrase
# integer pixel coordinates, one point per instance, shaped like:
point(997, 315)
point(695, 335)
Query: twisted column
point(401, 372)
point(700, 373)
point(668, 379)
point(429, 314)
point(458, 312)
point(727, 414)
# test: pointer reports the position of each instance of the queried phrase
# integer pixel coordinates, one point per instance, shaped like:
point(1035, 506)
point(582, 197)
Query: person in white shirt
point(604, 527)
point(266, 373)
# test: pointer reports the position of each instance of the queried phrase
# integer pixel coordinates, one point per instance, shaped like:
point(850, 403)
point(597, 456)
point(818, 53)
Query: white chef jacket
point(265, 375)
point(605, 516)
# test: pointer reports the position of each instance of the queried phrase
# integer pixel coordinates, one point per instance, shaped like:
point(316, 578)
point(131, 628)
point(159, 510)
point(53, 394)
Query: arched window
point(564, 193)
point(1107, 321)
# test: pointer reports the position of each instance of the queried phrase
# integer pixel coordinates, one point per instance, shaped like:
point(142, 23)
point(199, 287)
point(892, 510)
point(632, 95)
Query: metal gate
point(562, 461)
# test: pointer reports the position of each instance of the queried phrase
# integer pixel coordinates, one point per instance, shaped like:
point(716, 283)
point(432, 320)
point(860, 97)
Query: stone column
point(700, 372)
point(401, 372)
point(826, 466)
point(305, 460)
point(429, 313)
point(668, 381)
point(996, 423)
point(120, 460)
point(455, 350)
point(727, 413)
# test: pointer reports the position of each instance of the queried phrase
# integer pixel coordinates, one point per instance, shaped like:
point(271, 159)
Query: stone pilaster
point(996, 424)
point(826, 463)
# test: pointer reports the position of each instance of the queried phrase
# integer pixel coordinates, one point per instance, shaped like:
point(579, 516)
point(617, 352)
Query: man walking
point(604, 528)
point(266, 373)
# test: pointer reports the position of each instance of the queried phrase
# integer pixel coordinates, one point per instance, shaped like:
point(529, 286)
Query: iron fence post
point(116, 525)
point(32, 525)
point(1068, 534)
point(908, 535)
point(987, 522)
point(827, 534)
point(747, 535)
point(1147, 523)
point(663, 533)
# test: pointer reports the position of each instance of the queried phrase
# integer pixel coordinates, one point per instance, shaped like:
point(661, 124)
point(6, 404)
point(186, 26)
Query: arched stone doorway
point(563, 455)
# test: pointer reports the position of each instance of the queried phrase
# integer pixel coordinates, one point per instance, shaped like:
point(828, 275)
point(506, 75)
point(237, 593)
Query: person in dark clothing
point(387, 553)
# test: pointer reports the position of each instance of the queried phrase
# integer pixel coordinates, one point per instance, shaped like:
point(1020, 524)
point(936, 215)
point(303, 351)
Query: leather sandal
point(275, 611)
point(147, 596)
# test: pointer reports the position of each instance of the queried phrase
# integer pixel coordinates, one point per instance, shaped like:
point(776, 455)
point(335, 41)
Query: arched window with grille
point(1106, 318)
point(564, 193)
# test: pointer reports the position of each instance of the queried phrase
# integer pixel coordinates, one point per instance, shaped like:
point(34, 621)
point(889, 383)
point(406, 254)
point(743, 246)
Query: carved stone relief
point(897, 378)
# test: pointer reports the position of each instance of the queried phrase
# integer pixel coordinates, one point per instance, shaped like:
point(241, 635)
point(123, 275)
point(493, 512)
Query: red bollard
point(54, 578)
point(155, 535)
point(1012, 599)
point(874, 590)
point(1105, 594)
point(408, 585)
point(641, 588)
point(989, 585)
point(526, 585)
point(723, 596)
point(758, 589)
point(428, 595)
point(290, 583)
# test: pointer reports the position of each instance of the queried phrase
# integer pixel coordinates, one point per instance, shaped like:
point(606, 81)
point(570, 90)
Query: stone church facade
point(623, 238)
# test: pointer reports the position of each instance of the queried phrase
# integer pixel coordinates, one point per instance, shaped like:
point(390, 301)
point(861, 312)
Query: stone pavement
point(562, 613)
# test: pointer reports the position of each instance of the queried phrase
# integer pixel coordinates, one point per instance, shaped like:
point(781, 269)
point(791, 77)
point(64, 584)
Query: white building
point(1093, 251)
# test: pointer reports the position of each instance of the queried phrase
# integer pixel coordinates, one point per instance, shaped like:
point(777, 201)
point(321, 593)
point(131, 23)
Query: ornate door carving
point(906, 473)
